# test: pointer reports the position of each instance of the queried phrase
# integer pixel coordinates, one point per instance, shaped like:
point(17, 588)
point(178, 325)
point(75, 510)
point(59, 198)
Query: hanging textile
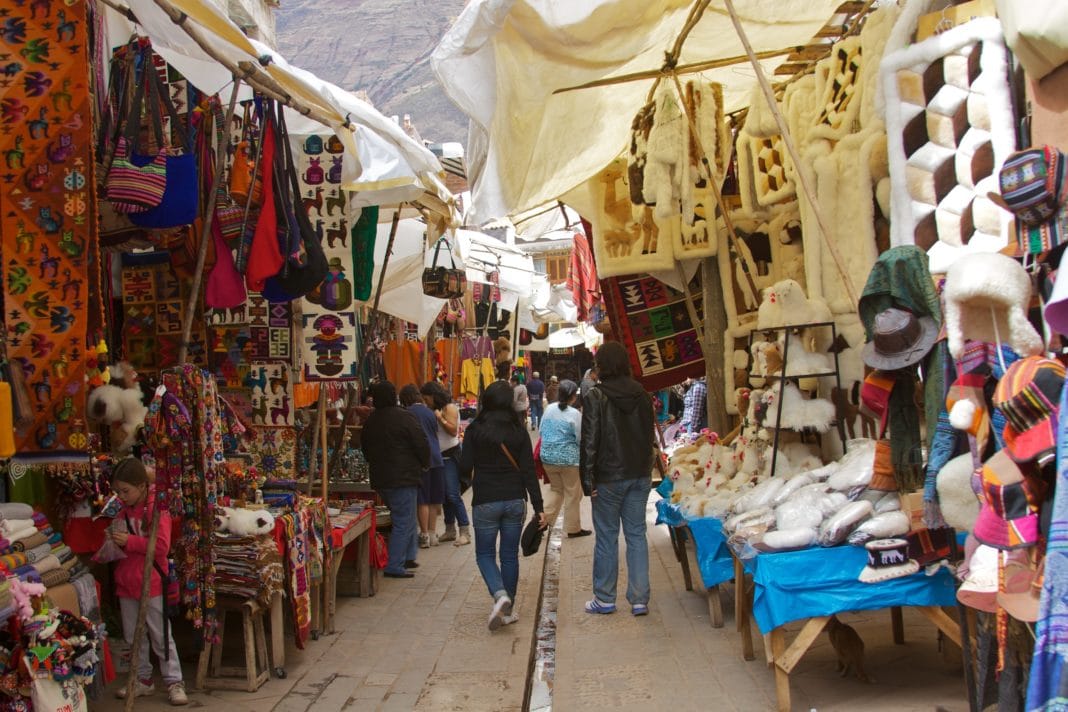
point(582, 277)
point(329, 310)
point(48, 217)
point(274, 451)
point(154, 299)
point(402, 359)
point(363, 252)
point(651, 320)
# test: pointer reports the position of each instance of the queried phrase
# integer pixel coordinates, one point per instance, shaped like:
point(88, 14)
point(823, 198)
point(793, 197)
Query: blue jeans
point(455, 511)
point(536, 411)
point(404, 536)
point(506, 518)
point(615, 502)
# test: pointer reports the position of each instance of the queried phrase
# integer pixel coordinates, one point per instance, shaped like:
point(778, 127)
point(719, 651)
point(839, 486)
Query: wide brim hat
point(1023, 590)
point(979, 590)
point(1008, 515)
point(887, 559)
point(899, 339)
point(1028, 395)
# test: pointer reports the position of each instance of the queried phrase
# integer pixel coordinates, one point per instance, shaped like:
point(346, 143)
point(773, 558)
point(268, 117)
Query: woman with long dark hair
point(561, 436)
point(448, 417)
point(497, 449)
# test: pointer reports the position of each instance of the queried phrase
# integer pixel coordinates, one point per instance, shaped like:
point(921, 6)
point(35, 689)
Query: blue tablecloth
point(802, 584)
point(713, 557)
point(795, 585)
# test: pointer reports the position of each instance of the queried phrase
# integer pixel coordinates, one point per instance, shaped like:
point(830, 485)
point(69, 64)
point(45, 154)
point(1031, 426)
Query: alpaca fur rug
point(941, 107)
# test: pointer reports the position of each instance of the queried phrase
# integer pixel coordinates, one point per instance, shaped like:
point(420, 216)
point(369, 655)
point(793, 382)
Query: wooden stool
point(211, 673)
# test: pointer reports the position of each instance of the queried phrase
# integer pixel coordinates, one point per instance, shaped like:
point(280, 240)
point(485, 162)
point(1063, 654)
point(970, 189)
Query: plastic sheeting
point(713, 556)
point(502, 60)
point(802, 584)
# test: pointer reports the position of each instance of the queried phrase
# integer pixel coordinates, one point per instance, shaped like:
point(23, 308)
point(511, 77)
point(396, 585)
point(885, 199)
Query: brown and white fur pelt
point(243, 522)
point(119, 403)
point(798, 412)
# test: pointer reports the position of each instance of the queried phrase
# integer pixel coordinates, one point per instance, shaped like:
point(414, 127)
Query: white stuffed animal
point(797, 411)
point(119, 403)
point(243, 522)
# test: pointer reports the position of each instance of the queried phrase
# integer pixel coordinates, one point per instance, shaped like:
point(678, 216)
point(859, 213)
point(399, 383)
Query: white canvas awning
point(502, 60)
point(388, 165)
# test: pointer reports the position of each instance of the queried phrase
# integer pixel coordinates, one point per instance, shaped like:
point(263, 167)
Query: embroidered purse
point(444, 282)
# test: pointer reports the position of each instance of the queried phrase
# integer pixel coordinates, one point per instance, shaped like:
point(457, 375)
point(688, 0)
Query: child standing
point(130, 482)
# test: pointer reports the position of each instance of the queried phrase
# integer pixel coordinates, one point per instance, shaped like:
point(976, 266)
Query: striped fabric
point(1028, 396)
point(1033, 187)
point(131, 188)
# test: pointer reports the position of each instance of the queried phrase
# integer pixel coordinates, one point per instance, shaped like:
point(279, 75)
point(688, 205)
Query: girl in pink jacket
point(130, 482)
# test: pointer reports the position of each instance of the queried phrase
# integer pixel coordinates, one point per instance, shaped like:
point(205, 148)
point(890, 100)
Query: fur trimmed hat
point(988, 294)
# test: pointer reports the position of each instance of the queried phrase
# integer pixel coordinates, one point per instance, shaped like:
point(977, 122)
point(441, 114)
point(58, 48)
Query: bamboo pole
point(323, 432)
point(691, 68)
point(385, 261)
point(787, 138)
point(183, 353)
point(716, 335)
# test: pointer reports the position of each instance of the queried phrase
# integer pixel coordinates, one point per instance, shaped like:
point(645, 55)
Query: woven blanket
point(55, 577)
point(13, 562)
point(15, 510)
point(272, 394)
point(38, 552)
point(31, 542)
point(46, 563)
point(47, 215)
point(651, 320)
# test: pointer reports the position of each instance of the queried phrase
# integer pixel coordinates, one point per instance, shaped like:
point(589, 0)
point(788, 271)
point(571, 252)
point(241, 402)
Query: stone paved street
point(422, 644)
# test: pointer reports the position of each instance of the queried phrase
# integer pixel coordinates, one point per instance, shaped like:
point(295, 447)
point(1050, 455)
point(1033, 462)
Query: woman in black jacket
point(497, 447)
point(617, 463)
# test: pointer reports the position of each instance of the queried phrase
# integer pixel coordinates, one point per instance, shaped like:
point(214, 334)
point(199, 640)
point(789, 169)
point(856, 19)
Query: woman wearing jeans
point(497, 448)
point(617, 464)
point(448, 415)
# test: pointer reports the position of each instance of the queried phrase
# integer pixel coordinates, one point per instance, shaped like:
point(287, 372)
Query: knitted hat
point(1033, 187)
point(1029, 396)
point(987, 295)
point(1008, 517)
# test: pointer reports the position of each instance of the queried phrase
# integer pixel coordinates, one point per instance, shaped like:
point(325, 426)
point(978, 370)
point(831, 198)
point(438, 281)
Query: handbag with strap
point(444, 282)
point(136, 182)
point(298, 275)
point(179, 204)
point(265, 257)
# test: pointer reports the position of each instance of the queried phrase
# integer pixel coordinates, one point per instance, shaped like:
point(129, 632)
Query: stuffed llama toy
point(798, 412)
point(119, 402)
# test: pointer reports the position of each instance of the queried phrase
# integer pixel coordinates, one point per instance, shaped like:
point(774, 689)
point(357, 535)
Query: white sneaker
point(424, 541)
point(140, 690)
point(433, 540)
point(511, 617)
point(501, 607)
point(176, 694)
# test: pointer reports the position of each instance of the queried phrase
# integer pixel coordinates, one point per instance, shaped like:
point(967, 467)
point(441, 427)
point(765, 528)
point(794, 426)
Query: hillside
point(380, 46)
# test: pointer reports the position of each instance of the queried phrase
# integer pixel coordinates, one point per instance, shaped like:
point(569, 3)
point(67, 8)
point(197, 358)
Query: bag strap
point(164, 97)
point(508, 454)
point(437, 251)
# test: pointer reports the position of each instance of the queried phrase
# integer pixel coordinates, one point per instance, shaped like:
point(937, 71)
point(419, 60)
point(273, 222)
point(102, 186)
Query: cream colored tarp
point(389, 166)
point(502, 60)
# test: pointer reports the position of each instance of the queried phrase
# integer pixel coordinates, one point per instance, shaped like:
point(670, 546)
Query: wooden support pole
point(385, 261)
point(315, 434)
point(183, 354)
point(714, 345)
point(791, 148)
point(323, 428)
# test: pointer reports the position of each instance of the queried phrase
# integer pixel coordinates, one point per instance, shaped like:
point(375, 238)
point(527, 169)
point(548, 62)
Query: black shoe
point(580, 532)
point(411, 564)
point(403, 574)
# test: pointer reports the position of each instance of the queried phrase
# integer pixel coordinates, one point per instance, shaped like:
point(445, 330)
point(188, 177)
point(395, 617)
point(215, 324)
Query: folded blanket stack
point(31, 542)
point(17, 529)
point(37, 553)
point(15, 510)
point(248, 567)
point(55, 577)
point(13, 561)
point(48, 563)
point(63, 553)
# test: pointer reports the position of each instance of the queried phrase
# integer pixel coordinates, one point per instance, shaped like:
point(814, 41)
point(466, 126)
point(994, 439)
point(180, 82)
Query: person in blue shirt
point(536, 393)
point(561, 437)
point(695, 407)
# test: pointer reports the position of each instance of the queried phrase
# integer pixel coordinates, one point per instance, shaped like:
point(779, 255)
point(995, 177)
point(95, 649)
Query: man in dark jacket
point(397, 452)
point(617, 463)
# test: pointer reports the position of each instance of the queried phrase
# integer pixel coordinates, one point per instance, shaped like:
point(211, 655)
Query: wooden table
point(679, 537)
point(359, 532)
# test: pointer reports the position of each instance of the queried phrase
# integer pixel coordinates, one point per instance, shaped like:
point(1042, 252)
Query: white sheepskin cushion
point(959, 505)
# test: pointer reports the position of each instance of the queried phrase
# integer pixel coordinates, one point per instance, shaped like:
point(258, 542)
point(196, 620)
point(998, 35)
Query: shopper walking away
point(397, 452)
point(561, 437)
point(617, 463)
point(536, 393)
point(130, 482)
point(497, 449)
point(431, 493)
point(448, 417)
point(589, 380)
point(521, 399)
point(695, 407)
